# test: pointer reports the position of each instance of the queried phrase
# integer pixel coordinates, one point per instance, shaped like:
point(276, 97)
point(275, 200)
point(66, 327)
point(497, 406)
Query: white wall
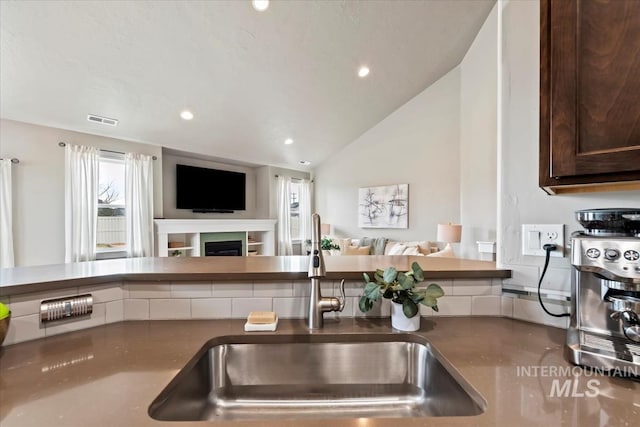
point(478, 138)
point(38, 185)
point(417, 144)
point(520, 199)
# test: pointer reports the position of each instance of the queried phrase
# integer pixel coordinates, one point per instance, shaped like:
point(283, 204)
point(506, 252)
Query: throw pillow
point(412, 250)
point(397, 249)
point(378, 246)
point(445, 253)
point(356, 250)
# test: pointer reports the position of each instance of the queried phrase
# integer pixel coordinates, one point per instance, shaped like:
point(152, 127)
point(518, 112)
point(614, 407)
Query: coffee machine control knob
point(611, 254)
point(631, 255)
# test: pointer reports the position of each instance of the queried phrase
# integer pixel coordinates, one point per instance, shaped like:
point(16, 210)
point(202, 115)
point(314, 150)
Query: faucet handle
point(342, 298)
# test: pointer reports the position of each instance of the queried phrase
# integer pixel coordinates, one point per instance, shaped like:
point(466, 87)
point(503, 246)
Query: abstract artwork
point(384, 207)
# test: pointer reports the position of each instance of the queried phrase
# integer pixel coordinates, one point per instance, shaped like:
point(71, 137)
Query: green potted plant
point(401, 289)
point(327, 246)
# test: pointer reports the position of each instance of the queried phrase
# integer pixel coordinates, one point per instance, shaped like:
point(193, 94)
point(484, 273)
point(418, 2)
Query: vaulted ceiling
point(252, 79)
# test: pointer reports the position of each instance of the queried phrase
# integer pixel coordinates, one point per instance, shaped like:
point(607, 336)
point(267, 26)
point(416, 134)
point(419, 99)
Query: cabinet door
point(594, 61)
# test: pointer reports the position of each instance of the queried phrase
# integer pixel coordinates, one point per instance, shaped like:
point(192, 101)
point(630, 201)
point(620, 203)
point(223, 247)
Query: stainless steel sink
point(316, 376)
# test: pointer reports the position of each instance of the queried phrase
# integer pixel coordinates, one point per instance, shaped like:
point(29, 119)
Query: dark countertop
point(48, 277)
point(109, 375)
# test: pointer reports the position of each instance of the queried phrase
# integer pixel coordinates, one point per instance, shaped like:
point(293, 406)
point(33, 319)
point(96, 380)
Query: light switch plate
point(535, 236)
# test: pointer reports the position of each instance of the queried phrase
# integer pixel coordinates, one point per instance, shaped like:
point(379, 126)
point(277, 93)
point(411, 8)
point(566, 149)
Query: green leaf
point(390, 274)
point(406, 282)
point(365, 304)
point(434, 291)
point(417, 297)
point(366, 278)
point(388, 293)
point(435, 308)
point(409, 308)
point(372, 291)
point(429, 302)
point(417, 271)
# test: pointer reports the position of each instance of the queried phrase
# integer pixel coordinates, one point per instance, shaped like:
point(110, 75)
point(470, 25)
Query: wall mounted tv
point(209, 190)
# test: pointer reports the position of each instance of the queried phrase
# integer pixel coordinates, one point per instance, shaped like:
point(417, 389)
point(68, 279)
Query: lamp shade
point(449, 233)
point(325, 229)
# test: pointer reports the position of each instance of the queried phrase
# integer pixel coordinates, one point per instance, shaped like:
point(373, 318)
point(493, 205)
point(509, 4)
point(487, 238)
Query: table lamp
point(449, 233)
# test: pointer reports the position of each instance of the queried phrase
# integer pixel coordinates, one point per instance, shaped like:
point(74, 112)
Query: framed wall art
point(384, 207)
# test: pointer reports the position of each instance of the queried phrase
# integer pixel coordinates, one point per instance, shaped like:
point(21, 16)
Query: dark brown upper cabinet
point(589, 95)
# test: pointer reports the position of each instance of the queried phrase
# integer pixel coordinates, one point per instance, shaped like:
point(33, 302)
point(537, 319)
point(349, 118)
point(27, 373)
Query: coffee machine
point(604, 331)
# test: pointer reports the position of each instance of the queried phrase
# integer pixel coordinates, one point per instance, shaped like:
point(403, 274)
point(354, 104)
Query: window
point(295, 211)
point(111, 233)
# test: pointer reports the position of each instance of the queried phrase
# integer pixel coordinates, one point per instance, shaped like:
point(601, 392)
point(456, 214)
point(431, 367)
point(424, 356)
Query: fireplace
point(226, 248)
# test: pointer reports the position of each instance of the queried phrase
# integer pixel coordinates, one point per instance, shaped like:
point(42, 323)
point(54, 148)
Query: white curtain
point(305, 211)
point(284, 215)
point(139, 204)
point(81, 202)
point(6, 216)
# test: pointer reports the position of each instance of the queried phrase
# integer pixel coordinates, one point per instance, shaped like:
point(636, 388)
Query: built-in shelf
point(258, 234)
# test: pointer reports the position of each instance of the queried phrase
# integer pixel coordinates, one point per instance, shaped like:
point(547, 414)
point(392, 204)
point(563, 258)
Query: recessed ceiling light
point(186, 115)
point(304, 162)
point(363, 71)
point(260, 5)
point(288, 141)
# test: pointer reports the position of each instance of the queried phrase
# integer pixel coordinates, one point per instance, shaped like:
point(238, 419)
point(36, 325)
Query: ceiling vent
point(102, 120)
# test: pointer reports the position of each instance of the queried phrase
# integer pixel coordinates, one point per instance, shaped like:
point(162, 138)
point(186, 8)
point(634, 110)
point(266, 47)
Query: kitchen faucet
point(317, 303)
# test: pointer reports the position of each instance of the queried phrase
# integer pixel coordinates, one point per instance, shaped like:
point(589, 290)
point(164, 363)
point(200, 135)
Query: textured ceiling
point(252, 79)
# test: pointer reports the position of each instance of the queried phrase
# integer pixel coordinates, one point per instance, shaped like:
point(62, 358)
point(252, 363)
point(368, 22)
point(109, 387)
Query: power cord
point(548, 249)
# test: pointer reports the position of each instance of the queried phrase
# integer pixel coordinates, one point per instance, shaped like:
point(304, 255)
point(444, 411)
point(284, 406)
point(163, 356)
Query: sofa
point(384, 246)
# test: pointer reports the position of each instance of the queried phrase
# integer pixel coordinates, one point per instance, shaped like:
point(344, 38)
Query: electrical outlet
point(535, 236)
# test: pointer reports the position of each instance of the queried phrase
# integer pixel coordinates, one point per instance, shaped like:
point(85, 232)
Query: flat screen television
point(209, 190)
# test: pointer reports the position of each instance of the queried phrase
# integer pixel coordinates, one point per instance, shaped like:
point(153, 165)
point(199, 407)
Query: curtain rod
point(64, 144)
point(13, 160)
point(294, 179)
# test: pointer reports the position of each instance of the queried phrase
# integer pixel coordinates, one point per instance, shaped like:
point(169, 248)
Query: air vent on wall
point(102, 120)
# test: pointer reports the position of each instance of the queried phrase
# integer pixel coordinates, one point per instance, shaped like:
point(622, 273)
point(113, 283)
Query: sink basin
point(316, 376)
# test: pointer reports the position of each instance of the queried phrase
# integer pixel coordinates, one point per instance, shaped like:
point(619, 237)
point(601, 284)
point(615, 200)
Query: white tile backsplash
point(301, 288)
point(139, 290)
point(290, 308)
point(104, 293)
point(507, 306)
point(136, 309)
point(26, 304)
point(232, 290)
point(174, 308)
point(241, 307)
point(114, 302)
point(191, 290)
point(472, 287)
point(486, 305)
point(211, 308)
point(114, 311)
point(531, 311)
point(24, 328)
point(453, 306)
point(272, 289)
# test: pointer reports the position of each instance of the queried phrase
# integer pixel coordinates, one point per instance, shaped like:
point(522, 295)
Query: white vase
point(400, 321)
